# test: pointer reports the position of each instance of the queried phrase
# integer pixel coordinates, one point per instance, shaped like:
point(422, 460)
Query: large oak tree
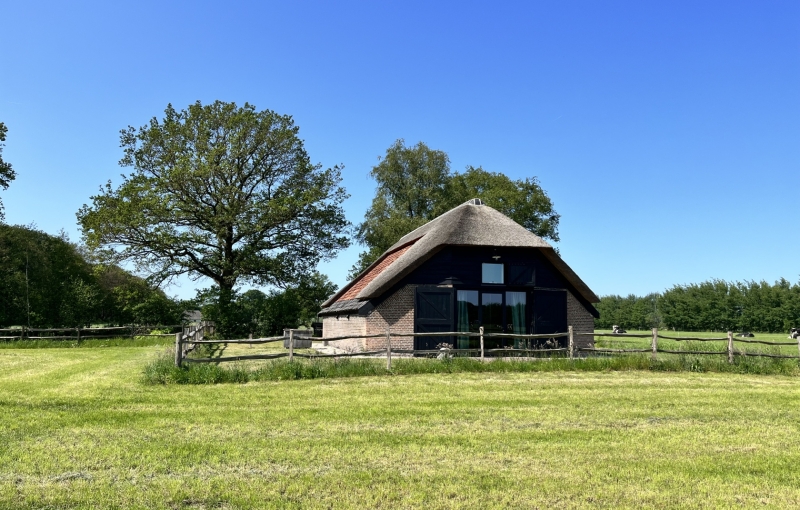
point(223, 192)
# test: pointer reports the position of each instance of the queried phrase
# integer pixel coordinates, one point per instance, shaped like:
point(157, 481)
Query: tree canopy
point(267, 314)
point(7, 173)
point(219, 191)
point(415, 185)
point(714, 305)
point(45, 281)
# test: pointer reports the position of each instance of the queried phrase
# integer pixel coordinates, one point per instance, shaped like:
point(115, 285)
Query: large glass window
point(515, 315)
point(492, 273)
point(467, 317)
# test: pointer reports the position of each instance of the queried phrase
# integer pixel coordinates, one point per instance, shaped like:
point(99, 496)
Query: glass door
point(515, 317)
point(492, 318)
point(497, 312)
point(468, 318)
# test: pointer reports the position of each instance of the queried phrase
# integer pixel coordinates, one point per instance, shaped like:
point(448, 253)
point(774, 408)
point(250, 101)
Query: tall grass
point(163, 370)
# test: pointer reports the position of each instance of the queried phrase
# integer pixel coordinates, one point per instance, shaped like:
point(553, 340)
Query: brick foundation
point(581, 321)
point(345, 325)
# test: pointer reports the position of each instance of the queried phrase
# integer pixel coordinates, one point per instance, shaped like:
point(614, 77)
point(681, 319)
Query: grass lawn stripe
point(80, 430)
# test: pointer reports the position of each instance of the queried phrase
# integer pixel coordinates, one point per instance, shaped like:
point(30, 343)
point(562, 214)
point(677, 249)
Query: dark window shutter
point(549, 311)
point(433, 313)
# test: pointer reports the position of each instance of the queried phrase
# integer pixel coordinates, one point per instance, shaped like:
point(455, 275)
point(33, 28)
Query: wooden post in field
point(291, 345)
point(250, 337)
point(178, 349)
point(480, 330)
point(798, 345)
point(654, 343)
point(730, 346)
point(388, 349)
point(78, 332)
point(571, 343)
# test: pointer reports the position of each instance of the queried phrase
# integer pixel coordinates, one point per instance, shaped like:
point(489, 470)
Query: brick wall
point(581, 321)
point(344, 325)
point(397, 313)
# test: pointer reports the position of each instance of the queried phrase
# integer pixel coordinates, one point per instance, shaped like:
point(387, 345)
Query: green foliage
point(222, 192)
point(7, 173)
point(45, 281)
point(720, 305)
point(79, 306)
point(129, 299)
point(415, 185)
point(631, 312)
point(715, 305)
point(267, 314)
point(39, 275)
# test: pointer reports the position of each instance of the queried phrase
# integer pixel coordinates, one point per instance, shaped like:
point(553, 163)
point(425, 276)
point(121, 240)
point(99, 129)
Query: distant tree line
point(631, 312)
point(46, 281)
point(714, 305)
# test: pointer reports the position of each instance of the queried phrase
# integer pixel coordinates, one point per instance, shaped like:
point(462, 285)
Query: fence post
point(730, 346)
point(78, 331)
point(654, 343)
point(571, 343)
point(388, 350)
point(481, 332)
point(250, 337)
point(798, 344)
point(178, 349)
point(291, 345)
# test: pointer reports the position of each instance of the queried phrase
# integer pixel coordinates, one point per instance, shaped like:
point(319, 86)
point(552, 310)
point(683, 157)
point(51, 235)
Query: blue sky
point(667, 134)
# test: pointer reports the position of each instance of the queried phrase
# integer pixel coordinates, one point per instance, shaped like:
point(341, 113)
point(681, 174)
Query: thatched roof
point(470, 224)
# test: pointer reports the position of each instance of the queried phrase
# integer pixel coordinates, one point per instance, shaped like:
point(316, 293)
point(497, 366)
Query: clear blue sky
point(667, 134)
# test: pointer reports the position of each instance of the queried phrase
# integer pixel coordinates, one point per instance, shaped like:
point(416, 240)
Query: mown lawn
point(78, 429)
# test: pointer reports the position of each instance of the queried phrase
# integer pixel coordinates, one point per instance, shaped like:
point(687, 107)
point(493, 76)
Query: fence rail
point(80, 334)
point(188, 341)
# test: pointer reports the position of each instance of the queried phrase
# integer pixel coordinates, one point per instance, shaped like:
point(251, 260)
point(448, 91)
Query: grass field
point(79, 429)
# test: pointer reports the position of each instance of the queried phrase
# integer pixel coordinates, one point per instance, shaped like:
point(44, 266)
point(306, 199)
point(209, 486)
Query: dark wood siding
point(549, 311)
point(434, 313)
point(462, 266)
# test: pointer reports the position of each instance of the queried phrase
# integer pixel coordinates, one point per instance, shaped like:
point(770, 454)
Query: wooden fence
point(654, 349)
point(190, 337)
point(186, 342)
point(79, 334)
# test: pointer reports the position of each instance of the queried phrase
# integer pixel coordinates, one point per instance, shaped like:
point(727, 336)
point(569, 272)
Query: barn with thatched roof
point(470, 267)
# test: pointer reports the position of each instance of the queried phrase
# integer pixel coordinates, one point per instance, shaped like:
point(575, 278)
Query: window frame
point(502, 273)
